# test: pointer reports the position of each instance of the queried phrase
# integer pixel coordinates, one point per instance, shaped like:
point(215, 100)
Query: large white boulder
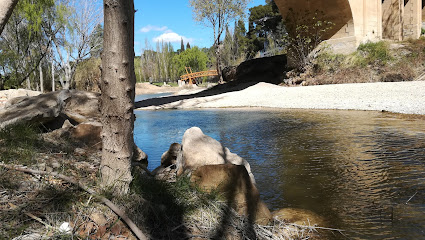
point(199, 150)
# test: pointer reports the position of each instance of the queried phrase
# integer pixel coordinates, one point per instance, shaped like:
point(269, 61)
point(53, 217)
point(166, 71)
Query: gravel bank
point(398, 97)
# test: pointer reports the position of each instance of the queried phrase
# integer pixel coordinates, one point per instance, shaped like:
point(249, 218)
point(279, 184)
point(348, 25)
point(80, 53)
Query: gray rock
point(170, 157)
point(37, 109)
point(168, 174)
point(89, 133)
point(199, 150)
point(78, 106)
point(139, 155)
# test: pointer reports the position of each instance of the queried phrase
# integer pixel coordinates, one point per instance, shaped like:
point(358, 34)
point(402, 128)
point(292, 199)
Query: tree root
point(139, 234)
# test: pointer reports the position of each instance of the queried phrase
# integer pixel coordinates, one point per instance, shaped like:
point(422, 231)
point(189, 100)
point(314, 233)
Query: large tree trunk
point(6, 9)
point(117, 99)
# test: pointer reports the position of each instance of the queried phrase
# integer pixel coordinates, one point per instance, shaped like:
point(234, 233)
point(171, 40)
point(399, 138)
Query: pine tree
point(182, 46)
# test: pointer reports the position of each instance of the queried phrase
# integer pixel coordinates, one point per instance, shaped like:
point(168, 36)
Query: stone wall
point(391, 19)
point(412, 19)
point(365, 20)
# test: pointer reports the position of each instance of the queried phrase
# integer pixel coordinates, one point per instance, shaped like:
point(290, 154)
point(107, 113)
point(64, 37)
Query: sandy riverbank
point(398, 97)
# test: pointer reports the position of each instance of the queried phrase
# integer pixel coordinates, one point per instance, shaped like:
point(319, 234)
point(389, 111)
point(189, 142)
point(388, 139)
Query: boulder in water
point(199, 150)
point(235, 184)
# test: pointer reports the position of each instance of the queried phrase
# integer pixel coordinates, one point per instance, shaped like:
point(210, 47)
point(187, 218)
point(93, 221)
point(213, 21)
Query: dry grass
point(372, 62)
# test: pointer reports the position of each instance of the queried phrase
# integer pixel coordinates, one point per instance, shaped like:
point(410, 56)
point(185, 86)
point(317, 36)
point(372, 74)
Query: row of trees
point(164, 64)
point(48, 43)
point(44, 41)
point(266, 33)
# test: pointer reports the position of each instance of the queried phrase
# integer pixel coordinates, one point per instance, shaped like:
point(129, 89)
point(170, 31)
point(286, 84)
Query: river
point(363, 171)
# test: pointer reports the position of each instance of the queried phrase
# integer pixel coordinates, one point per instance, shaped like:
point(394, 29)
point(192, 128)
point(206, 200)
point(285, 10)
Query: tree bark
point(6, 10)
point(117, 98)
point(28, 83)
point(53, 75)
point(40, 69)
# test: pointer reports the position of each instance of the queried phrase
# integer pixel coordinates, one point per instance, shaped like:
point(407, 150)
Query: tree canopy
point(192, 57)
point(217, 14)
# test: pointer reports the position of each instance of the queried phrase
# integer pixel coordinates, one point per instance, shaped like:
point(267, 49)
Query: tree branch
point(139, 234)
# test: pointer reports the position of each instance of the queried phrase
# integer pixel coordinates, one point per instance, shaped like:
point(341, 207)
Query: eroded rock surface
point(199, 150)
point(235, 184)
point(77, 106)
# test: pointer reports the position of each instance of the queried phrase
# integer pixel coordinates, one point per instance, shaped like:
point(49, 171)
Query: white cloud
point(150, 28)
point(172, 37)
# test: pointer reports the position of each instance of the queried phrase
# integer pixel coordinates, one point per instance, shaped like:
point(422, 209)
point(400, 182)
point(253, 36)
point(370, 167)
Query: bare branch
point(104, 200)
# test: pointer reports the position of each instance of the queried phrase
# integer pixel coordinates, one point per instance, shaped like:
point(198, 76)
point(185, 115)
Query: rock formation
point(69, 113)
point(234, 183)
point(213, 167)
point(170, 157)
point(199, 149)
point(76, 106)
point(299, 216)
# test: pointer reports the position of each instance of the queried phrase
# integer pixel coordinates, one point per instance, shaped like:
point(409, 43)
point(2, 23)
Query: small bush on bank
point(372, 62)
point(373, 53)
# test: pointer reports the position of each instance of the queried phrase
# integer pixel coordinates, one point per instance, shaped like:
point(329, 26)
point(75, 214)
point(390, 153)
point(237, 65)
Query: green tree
point(265, 28)
point(26, 40)
point(217, 14)
point(193, 57)
point(228, 49)
point(241, 41)
point(182, 46)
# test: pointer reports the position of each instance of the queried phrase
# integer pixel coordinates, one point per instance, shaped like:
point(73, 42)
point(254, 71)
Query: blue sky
point(170, 20)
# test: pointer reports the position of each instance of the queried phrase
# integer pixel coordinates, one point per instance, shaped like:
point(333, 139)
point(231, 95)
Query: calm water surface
point(357, 169)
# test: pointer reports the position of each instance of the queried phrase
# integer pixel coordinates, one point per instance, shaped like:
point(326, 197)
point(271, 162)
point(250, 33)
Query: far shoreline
point(393, 97)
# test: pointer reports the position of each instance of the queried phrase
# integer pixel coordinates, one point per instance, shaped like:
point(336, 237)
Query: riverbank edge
point(394, 97)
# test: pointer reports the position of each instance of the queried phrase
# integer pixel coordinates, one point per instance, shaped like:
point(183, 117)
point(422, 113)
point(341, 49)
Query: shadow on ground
point(269, 69)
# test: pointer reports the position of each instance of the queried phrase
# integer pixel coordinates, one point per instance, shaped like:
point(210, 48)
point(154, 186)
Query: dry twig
point(104, 200)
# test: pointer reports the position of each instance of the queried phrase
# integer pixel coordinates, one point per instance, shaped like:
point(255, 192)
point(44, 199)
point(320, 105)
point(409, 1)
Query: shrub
point(305, 32)
point(373, 53)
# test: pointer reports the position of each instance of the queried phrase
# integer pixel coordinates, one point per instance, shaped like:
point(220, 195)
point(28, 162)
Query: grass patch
point(18, 144)
point(372, 53)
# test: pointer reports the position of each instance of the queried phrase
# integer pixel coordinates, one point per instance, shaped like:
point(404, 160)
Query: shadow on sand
point(219, 89)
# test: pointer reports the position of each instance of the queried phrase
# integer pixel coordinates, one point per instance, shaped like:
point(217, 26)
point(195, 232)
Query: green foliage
point(182, 46)
point(329, 62)
point(373, 53)
point(217, 14)
point(26, 39)
point(87, 75)
point(156, 66)
point(33, 11)
point(193, 57)
point(265, 28)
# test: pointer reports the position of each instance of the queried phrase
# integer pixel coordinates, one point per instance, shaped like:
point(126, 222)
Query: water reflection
point(358, 169)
